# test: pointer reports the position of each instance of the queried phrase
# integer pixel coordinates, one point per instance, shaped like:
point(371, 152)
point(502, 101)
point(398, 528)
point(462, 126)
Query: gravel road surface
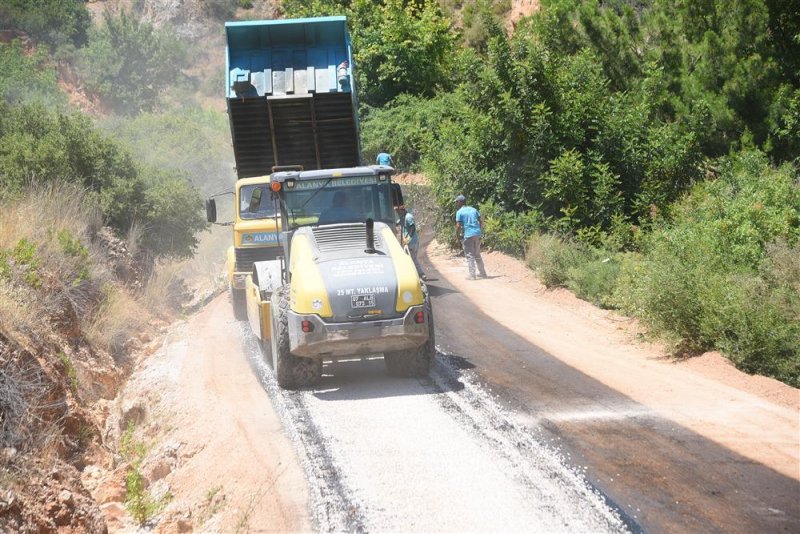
point(388, 454)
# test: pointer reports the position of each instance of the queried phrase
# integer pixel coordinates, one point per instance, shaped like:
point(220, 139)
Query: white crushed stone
point(385, 454)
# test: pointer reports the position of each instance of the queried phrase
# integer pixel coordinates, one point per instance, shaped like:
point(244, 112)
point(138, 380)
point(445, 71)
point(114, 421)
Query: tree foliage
point(593, 113)
point(130, 63)
point(189, 139)
point(400, 46)
point(28, 77)
point(56, 22)
point(39, 146)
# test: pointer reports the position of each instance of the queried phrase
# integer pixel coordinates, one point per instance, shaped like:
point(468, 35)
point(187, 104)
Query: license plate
point(362, 301)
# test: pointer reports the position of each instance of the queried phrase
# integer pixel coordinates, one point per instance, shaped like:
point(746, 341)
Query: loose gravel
point(385, 454)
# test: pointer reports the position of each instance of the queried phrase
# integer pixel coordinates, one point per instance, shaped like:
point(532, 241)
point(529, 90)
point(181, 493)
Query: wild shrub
point(593, 111)
point(73, 249)
point(165, 291)
point(27, 77)
point(716, 274)
point(552, 257)
point(118, 319)
point(784, 123)
point(508, 231)
point(130, 63)
point(69, 367)
point(46, 263)
point(138, 500)
point(596, 279)
point(40, 146)
point(26, 406)
point(755, 325)
point(21, 263)
point(23, 315)
point(56, 22)
point(407, 127)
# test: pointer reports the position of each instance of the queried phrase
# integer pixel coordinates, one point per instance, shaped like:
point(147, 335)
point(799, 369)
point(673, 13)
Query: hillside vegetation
point(97, 211)
point(644, 154)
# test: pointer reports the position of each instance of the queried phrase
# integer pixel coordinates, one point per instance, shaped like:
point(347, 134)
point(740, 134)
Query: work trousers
point(472, 250)
point(412, 251)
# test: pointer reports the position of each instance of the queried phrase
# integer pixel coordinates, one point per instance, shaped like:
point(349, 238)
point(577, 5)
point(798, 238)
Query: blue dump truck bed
point(291, 96)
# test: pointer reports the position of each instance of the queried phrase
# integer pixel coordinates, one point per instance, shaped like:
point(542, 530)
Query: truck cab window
point(251, 207)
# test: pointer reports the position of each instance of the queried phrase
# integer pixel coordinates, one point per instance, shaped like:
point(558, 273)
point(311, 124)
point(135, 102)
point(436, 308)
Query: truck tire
point(239, 303)
point(290, 371)
point(417, 362)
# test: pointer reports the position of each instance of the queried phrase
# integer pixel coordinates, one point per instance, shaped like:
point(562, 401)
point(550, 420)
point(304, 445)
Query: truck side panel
point(291, 95)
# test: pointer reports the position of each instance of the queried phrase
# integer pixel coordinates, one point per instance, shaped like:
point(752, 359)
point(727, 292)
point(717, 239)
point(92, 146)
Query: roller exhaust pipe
point(370, 237)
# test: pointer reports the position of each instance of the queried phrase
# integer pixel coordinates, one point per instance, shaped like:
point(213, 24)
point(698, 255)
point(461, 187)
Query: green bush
point(72, 247)
point(720, 272)
point(22, 261)
point(28, 77)
point(38, 145)
point(508, 231)
point(56, 22)
point(784, 142)
point(666, 292)
point(69, 368)
point(596, 279)
point(755, 324)
point(138, 500)
point(406, 127)
point(552, 257)
point(130, 63)
point(171, 214)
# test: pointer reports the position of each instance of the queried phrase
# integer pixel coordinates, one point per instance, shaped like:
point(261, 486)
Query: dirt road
point(541, 414)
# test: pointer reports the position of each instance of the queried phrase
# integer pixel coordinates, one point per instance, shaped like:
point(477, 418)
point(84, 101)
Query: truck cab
point(255, 235)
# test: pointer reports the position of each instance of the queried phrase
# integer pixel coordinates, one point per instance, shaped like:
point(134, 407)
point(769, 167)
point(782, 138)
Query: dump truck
point(290, 101)
point(336, 283)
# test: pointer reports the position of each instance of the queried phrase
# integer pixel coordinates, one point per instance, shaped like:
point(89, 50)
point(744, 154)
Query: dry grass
point(59, 222)
point(72, 277)
point(118, 320)
point(133, 239)
point(36, 218)
point(206, 268)
point(29, 419)
point(21, 314)
point(45, 207)
point(162, 292)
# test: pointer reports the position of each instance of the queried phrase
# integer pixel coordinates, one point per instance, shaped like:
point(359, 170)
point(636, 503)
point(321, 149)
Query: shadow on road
point(437, 290)
point(355, 378)
point(367, 378)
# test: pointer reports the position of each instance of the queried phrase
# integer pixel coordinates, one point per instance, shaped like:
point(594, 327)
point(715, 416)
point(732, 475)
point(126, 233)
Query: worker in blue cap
point(469, 228)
